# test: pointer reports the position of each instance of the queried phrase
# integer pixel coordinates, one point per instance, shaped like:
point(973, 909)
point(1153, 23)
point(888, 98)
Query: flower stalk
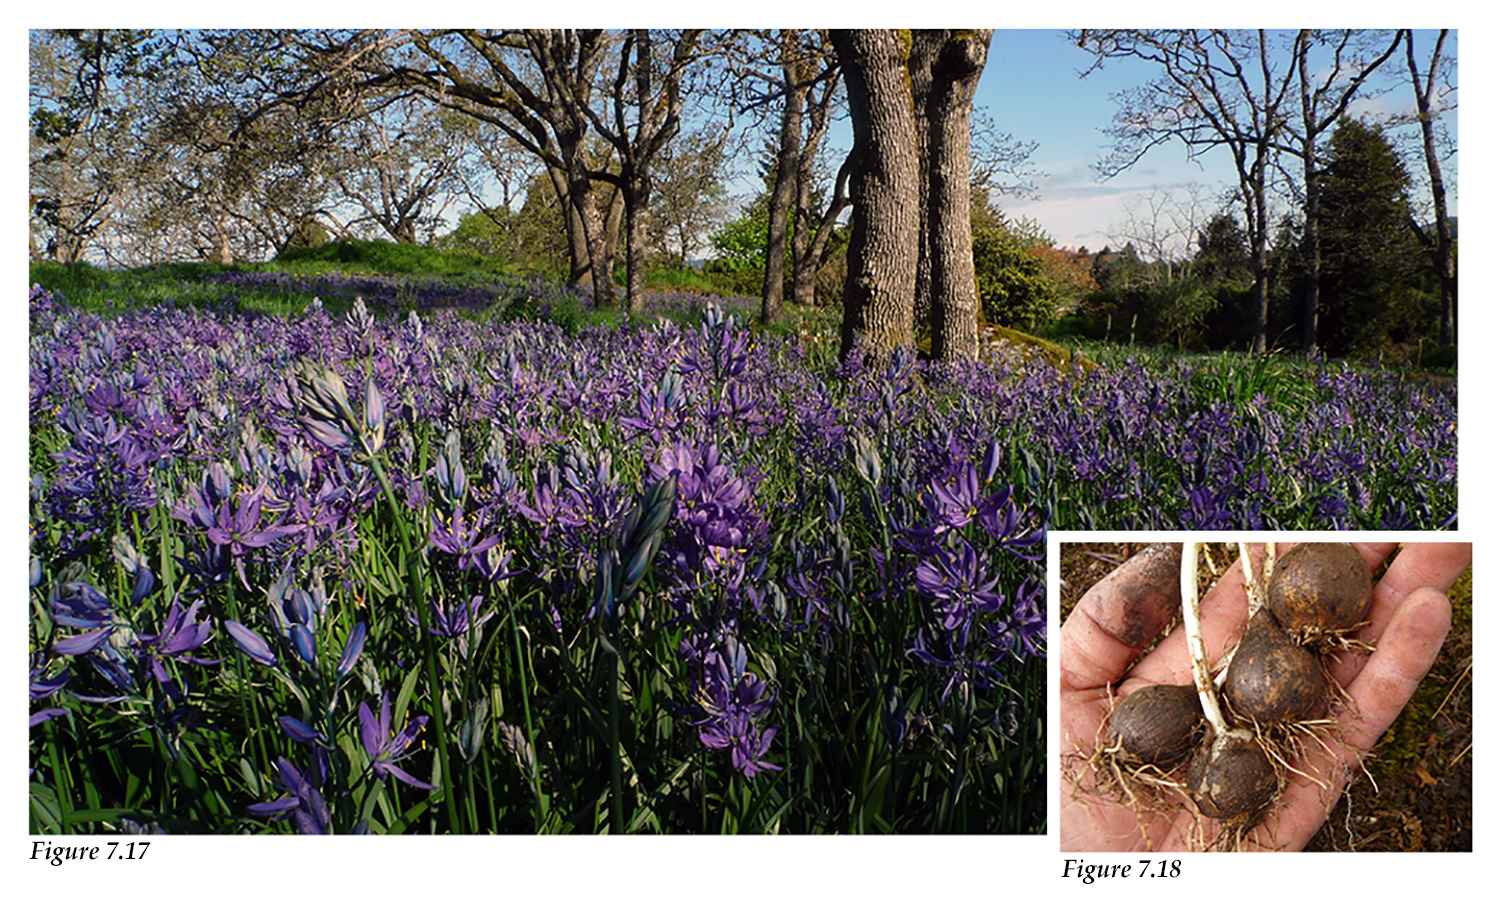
point(1198, 651)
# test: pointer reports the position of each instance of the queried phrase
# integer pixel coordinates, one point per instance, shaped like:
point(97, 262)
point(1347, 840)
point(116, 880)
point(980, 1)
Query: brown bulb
point(1232, 780)
point(1320, 589)
point(1272, 680)
point(1159, 725)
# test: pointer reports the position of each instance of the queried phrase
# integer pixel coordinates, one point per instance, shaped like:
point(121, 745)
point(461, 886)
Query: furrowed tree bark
point(884, 192)
point(584, 203)
point(579, 268)
point(788, 156)
point(952, 297)
point(635, 245)
point(926, 45)
point(614, 220)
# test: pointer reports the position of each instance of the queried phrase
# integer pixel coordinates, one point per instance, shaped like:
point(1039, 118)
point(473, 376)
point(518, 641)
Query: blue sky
point(1032, 89)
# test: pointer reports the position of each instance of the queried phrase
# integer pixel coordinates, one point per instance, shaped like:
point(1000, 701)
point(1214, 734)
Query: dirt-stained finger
point(1120, 615)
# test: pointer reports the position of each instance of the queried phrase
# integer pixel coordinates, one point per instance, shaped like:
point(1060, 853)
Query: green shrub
point(572, 316)
point(1179, 309)
point(1440, 359)
point(483, 235)
point(737, 278)
point(1014, 288)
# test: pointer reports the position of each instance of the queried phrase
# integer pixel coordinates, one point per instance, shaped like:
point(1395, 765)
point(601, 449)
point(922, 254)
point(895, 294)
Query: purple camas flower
point(454, 620)
point(1027, 631)
point(716, 522)
point(303, 801)
point(956, 502)
point(43, 685)
point(300, 731)
point(296, 612)
point(86, 643)
point(135, 565)
point(958, 582)
point(181, 635)
point(732, 700)
point(320, 516)
point(354, 645)
point(458, 535)
point(372, 424)
point(250, 643)
point(240, 528)
point(383, 748)
point(822, 575)
point(81, 605)
point(235, 529)
point(660, 413)
point(103, 474)
point(718, 352)
point(548, 508)
point(326, 413)
point(948, 650)
point(1013, 528)
point(746, 743)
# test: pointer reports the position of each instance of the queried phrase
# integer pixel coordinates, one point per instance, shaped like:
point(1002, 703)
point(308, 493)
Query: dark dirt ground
point(1421, 798)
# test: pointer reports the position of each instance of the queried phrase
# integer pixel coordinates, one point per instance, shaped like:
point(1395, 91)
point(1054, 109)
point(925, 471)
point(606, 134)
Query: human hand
point(1409, 618)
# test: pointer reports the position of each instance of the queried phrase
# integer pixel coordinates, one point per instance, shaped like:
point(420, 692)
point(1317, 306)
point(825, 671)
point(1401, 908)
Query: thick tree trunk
point(225, 256)
point(926, 45)
point(635, 246)
point(614, 222)
point(883, 227)
point(952, 296)
point(787, 157)
point(584, 204)
point(579, 268)
point(804, 272)
point(581, 195)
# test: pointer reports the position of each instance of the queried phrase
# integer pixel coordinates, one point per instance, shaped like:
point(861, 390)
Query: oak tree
point(910, 99)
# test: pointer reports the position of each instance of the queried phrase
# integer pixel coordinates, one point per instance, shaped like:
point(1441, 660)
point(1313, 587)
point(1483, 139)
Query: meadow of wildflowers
point(432, 570)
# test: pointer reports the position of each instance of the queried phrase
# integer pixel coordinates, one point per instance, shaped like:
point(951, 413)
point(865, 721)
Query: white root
point(1198, 651)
